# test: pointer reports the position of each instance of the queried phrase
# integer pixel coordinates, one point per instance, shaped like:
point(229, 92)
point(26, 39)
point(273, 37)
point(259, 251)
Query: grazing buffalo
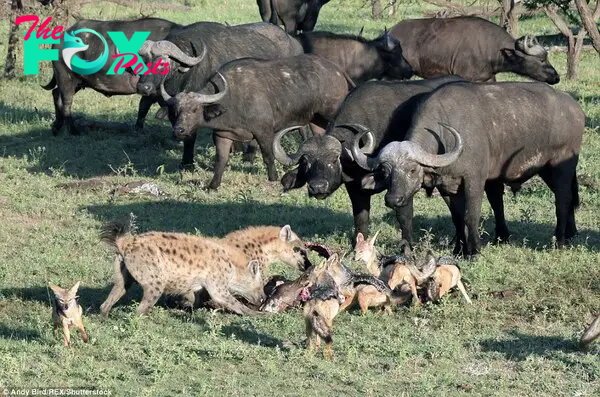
point(325, 162)
point(472, 48)
point(257, 98)
point(220, 44)
point(65, 83)
point(509, 132)
point(294, 15)
point(361, 59)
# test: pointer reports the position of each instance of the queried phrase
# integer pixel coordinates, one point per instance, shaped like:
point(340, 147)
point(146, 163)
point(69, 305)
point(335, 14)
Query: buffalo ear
point(163, 113)
point(511, 55)
point(291, 181)
point(213, 110)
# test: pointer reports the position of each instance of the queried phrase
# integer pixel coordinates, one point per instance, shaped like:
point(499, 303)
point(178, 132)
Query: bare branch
point(589, 22)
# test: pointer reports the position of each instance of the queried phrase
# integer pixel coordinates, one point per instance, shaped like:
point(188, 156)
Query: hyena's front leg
point(223, 298)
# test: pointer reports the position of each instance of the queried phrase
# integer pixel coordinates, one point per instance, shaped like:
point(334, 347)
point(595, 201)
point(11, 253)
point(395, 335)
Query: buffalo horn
point(363, 161)
point(213, 98)
point(279, 152)
point(416, 153)
point(151, 49)
point(165, 95)
point(361, 129)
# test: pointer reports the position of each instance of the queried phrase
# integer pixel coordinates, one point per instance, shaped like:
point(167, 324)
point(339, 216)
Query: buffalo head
point(529, 58)
point(319, 162)
point(403, 165)
point(187, 111)
point(395, 66)
point(165, 52)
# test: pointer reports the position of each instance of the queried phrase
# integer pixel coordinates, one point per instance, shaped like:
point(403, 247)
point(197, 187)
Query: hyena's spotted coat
point(181, 264)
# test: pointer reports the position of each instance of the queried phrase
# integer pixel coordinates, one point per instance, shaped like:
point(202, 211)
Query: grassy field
point(523, 345)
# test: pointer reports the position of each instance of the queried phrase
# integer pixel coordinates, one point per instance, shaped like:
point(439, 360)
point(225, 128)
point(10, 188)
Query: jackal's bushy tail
point(320, 326)
point(367, 279)
point(111, 232)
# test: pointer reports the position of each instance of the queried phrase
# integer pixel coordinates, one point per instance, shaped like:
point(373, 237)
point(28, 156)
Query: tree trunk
point(575, 45)
point(376, 7)
point(13, 39)
point(509, 18)
point(589, 21)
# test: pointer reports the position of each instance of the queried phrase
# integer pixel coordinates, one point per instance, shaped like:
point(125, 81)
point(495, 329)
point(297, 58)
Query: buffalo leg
point(67, 101)
point(187, 161)
point(291, 27)
point(268, 158)
point(250, 151)
point(473, 200)
point(223, 146)
point(404, 215)
point(58, 110)
point(457, 210)
point(361, 207)
point(146, 103)
point(564, 198)
point(494, 191)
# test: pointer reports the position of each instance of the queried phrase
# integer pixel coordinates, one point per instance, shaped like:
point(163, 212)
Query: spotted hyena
point(181, 264)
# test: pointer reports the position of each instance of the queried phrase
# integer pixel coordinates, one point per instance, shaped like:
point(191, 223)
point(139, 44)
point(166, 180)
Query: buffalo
point(65, 83)
point(256, 98)
point(468, 138)
point(472, 48)
point(361, 59)
point(325, 162)
point(220, 44)
point(294, 15)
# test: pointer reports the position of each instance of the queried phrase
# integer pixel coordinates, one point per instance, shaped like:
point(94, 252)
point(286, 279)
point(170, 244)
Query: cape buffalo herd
point(457, 130)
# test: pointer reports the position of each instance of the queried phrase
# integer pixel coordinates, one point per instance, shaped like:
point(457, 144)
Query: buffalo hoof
point(189, 167)
point(213, 185)
point(138, 127)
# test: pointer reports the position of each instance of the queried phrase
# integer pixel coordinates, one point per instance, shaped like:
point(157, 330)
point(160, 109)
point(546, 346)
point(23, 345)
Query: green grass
point(520, 346)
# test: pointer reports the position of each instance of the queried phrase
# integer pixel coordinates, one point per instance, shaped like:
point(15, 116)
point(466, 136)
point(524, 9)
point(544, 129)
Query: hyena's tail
point(111, 232)
point(592, 332)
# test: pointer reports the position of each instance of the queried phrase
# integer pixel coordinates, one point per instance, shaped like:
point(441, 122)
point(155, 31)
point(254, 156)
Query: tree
point(589, 19)
point(509, 17)
point(10, 65)
point(562, 14)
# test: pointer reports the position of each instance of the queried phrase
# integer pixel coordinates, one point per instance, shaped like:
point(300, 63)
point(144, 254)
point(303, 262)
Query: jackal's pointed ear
point(73, 290)
point(56, 289)
point(333, 259)
point(254, 268)
point(372, 239)
point(163, 113)
point(360, 238)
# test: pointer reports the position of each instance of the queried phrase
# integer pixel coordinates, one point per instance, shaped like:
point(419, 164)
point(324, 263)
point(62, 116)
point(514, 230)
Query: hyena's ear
point(286, 234)
point(56, 289)
point(360, 238)
point(254, 268)
point(73, 290)
point(372, 239)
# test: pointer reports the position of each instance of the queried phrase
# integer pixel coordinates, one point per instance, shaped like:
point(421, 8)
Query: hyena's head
point(290, 249)
point(65, 298)
point(248, 283)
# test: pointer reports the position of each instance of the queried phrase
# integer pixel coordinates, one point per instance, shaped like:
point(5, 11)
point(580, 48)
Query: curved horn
point(170, 49)
point(278, 151)
point(145, 50)
point(360, 158)
point(213, 98)
point(359, 129)
point(530, 46)
point(165, 95)
point(416, 153)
